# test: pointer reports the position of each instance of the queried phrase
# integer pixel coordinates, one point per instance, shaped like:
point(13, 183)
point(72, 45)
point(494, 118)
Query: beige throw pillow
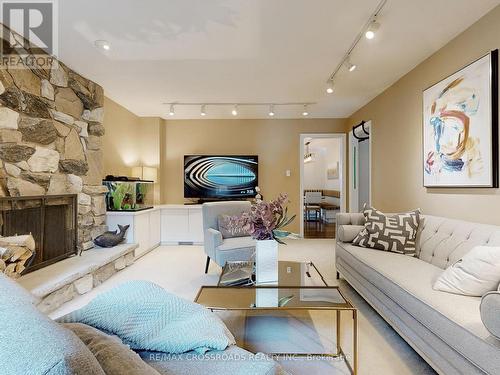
point(477, 273)
point(229, 227)
point(114, 357)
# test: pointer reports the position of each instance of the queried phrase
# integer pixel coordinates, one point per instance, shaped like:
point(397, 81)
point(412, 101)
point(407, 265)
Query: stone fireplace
point(50, 140)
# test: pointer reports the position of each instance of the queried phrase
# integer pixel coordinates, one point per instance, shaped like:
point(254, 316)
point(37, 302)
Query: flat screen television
point(220, 176)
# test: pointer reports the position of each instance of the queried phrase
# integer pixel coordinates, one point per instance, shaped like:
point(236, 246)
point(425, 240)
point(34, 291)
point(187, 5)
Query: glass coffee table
point(300, 287)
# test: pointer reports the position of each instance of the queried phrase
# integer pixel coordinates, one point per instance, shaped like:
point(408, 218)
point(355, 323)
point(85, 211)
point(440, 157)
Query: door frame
point(354, 166)
point(342, 171)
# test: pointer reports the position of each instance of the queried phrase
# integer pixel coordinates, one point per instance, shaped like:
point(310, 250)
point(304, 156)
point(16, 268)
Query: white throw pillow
point(477, 273)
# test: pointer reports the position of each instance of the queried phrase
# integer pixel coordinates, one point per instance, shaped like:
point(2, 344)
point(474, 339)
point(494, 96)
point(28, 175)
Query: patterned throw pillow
point(229, 227)
point(396, 233)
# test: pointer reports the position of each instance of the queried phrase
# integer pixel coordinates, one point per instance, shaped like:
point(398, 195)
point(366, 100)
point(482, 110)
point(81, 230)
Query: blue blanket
point(147, 317)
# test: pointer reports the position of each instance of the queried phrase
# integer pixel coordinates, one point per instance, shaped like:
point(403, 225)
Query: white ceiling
point(252, 51)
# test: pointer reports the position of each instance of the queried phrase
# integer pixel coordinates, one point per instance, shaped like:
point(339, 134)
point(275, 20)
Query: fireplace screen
point(52, 220)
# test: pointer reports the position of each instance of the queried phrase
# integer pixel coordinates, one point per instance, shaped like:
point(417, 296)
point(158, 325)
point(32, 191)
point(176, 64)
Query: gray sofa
point(33, 344)
point(445, 329)
point(220, 249)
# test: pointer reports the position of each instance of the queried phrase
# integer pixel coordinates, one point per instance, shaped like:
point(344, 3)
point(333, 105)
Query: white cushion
point(477, 273)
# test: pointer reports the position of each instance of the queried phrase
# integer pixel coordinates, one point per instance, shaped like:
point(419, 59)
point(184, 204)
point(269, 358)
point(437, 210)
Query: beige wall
point(130, 141)
point(120, 140)
point(396, 118)
point(276, 142)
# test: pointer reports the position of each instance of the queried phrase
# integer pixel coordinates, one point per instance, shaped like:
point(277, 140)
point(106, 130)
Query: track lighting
point(235, 106)
point(305, 112)
point(271, 110)
point(329, 87)
point(349, 65)
point(369, 30)
point(102, 44)
point(372, 29)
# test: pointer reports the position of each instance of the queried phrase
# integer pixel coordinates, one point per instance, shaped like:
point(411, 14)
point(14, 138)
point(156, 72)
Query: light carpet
point(180, 270)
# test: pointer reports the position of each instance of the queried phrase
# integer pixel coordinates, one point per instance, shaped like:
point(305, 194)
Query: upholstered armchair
point(220, 249)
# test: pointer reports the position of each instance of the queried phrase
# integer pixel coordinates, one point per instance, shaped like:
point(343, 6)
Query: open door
point(360, 166)
point(322, 183)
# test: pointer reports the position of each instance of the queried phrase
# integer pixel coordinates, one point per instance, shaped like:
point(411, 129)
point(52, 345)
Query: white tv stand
point(168, 224)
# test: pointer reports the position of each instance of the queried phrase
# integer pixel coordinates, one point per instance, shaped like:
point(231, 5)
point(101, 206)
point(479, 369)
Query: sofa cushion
point(31, 343)
point(396, 232)
point(475, 274)
point(408, 282)
point(114, 357)
point(233, 360)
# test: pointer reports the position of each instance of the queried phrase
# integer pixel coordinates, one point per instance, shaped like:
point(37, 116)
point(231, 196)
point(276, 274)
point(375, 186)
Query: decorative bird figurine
point(111, 238)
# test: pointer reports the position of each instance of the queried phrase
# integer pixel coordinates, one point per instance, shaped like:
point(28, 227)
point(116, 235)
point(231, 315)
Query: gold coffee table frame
point(207, 294)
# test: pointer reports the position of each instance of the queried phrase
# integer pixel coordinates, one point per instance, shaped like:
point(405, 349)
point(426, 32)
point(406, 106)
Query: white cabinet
point(181, 224)
point(154, 228)
point(141, 234)
point(167, 224)
point(144, 228)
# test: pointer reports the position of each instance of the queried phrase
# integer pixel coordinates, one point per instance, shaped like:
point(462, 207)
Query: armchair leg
point(207, 264)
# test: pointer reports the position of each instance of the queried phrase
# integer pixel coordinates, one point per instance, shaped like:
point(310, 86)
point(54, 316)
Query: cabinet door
point(174, 225)
point(154, 228)
point(196, 225)
point(112, 222)
point(141, 233)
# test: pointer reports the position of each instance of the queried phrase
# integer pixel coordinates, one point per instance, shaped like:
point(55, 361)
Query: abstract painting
point(460, 127)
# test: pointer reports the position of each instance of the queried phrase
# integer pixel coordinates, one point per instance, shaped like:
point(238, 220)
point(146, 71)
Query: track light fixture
point(369, 29)
point(305, 112)
point(102, 44)
point(270, 106)
point(372, 29)
point(271, 110)
point(349, 65)
point(329, 87)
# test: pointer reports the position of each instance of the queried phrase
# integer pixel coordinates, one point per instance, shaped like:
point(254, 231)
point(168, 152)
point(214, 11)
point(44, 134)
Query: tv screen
point(220, 177)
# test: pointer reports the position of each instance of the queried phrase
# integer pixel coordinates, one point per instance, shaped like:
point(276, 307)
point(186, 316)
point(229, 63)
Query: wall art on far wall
point(333, 172)
point(460, 127)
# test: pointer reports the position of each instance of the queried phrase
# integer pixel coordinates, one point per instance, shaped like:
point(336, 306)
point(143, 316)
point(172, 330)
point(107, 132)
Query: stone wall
point(50, 139)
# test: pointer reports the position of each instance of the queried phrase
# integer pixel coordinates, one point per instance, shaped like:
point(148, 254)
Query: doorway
point(360, 163)
point(322, 183)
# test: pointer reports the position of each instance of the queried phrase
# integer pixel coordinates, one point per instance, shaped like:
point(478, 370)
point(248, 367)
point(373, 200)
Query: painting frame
point(492, 172)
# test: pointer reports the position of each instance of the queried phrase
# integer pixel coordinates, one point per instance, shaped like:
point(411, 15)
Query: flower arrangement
point(265, 219)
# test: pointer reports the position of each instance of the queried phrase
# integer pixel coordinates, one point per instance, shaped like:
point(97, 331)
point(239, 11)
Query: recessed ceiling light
point(234, 112)
point(102, 44)
point(305, 112)
point(172, 110)
point(271, 110)
point(203, 110)
point(329, 87)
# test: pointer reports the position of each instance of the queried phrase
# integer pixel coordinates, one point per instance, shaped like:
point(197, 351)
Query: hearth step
point(63, 281)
